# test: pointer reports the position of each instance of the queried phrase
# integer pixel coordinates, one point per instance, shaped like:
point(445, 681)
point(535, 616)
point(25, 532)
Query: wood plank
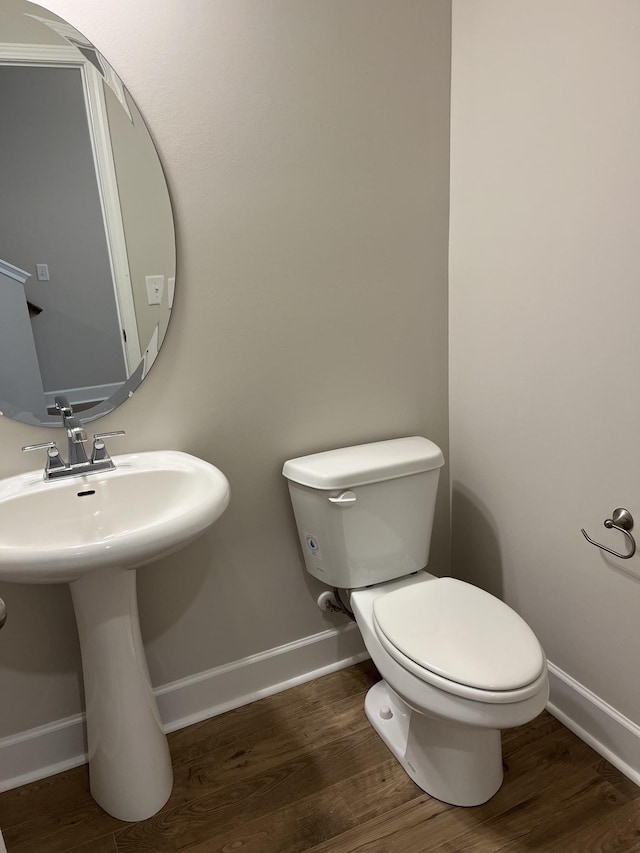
point(271, 747)
point(539, 780)
point(593, 814)
point(522, 736)
point(55, 793)
point(53, 832)
point(106, 844)
point(625, 786)
point(559, 755)
point(383, 833)
point(618, 831)
point(415, 828)
point(530, 818)
point(238, 802)
point(281, 709)
point(323, 815)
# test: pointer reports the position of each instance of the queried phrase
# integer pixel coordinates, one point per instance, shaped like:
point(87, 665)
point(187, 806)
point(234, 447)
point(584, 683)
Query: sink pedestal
point(99, 528)
point(129, 764)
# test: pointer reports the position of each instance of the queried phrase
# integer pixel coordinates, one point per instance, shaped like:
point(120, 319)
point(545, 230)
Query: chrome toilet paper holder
point(622, 520)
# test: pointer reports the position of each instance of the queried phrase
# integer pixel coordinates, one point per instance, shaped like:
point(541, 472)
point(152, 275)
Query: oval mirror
point(87, 243)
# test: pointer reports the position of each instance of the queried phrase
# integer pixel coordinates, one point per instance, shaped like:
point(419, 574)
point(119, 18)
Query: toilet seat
point(461, 639)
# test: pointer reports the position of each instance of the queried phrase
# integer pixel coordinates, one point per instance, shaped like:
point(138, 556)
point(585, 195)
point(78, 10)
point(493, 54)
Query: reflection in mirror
point(87, 246)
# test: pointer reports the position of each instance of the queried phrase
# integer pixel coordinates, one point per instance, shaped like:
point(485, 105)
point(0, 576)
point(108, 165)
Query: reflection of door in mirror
point(20, 377)
point(52, 220)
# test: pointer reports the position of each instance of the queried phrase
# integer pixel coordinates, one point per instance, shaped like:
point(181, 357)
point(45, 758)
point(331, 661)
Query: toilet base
point(457, 764)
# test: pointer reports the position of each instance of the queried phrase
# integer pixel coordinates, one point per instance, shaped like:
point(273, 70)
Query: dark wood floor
point(304, 771)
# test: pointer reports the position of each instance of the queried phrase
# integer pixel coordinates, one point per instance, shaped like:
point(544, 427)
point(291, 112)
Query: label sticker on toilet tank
point(312, 544)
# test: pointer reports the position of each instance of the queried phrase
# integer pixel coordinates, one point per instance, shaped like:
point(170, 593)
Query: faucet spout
point(77, 437)
point(63, 406)
point(76, 433)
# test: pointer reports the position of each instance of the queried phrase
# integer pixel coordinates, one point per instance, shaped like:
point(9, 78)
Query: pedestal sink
point(92, 532)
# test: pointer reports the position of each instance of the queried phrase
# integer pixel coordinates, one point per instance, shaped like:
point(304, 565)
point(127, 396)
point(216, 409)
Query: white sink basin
point(151, 504)
point(92, 532)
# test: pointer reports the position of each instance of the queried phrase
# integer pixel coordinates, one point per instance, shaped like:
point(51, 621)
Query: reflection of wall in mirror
point(51, 214)
point(146, 214)
point(15, 26)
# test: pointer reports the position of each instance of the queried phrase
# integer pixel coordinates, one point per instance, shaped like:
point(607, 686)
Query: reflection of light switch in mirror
point(42, 272)
point(155, 286)
point(171, 284)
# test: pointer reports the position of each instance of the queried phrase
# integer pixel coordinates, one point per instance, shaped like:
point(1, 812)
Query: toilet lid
point(460, 633)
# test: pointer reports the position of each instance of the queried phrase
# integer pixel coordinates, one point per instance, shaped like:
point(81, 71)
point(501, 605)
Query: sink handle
point(100, 435)
point(50, 445)
point(54, 460)
point(100, 452)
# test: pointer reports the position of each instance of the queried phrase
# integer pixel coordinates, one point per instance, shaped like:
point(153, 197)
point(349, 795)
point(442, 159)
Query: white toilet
point(458, 665)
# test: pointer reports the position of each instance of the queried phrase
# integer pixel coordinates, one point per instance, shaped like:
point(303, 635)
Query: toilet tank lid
point(364, 463)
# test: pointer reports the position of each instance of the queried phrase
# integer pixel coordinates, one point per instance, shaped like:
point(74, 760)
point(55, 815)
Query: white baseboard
point(607, 731)
point(208, 694)
point(42, 751)
point(59, 746)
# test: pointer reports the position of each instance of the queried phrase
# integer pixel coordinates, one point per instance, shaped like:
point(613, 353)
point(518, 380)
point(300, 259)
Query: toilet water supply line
point(332, 601)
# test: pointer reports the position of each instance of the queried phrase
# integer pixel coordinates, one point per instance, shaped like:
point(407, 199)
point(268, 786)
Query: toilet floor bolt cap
point(386, 713)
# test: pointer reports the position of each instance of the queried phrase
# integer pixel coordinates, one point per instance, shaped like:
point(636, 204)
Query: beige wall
point(306, 150)
point(544, 261)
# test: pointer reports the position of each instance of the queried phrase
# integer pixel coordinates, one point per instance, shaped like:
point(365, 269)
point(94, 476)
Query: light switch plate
point(42, 272)
point(155, 287)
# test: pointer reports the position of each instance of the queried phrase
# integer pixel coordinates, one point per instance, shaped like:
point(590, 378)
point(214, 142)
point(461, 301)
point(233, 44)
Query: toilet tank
point(365, 513)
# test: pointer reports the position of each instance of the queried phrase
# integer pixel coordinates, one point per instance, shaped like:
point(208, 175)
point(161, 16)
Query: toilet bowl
point(444, 733)
point(457, 664)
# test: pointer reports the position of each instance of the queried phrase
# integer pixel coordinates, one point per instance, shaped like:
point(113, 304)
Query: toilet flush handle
point(344, 499)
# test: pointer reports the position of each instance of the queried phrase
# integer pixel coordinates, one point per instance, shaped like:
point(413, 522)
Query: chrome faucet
point(79, 463)
point(76, 433)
